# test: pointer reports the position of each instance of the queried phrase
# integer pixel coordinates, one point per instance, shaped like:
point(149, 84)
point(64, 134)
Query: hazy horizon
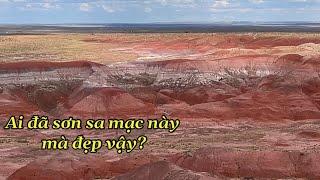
point(173, 23)
point(156, 11)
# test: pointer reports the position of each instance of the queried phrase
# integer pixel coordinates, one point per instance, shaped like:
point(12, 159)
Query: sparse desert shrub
point(250, 75)
point(46, 94)
point(247, 76)
point(140, 79)
point(64, 76)
point(184, 80)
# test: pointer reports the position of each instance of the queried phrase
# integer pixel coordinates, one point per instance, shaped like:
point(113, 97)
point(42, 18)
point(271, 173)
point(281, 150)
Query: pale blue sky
point(150, 11)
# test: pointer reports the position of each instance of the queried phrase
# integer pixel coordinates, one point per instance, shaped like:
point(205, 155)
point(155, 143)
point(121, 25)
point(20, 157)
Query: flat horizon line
point(166, 23)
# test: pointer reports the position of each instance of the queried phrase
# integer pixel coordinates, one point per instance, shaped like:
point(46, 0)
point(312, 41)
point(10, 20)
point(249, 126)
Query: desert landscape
point(249, 103)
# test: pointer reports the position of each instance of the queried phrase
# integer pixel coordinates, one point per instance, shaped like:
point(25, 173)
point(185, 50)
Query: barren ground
point(248, 103)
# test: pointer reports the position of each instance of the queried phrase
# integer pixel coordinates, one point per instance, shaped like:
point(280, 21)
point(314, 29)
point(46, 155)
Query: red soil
point(111, 101)
point(252, 164)
point(309, 134)
point(71, 167)
point(251, 42)
point(202, 94)
point(150, 95)
point(291, 59)
point(216, 162)
point(163, 170)
point(11, 104)
point(273, 99)
point(258, 106)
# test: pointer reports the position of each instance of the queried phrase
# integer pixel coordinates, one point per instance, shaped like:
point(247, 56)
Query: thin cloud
point(109, 9)
point(257, 1)
point(40, 6)
point(86, 7)
point(147, 10)
point(50, 6)
point(221, 4)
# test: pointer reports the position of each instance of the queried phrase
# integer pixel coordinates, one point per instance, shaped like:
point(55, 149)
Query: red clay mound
point(290, 59)
point(72, 167)
point(259, 106)
point(271, 82)
point(312, 86)
point(147, 94)
point(10, 104)
point(126, 104)
point(312, 89)
point(111, 101)
point(164, 99)
point(252, 164)
point(313, 62)
point(203, 94)
point(78, 94)
point(309, 134)
point(163, 170)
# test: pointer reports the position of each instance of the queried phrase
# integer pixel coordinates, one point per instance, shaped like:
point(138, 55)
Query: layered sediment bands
point(256, 97)
point(264, 42)
point(312, 89)
point(111, 101)
point(44, 85)
point(260, 106)
point(72, 167)
point(12, 104)
point(206, 163)
point(163, 170)
point(252, 164)
point(232, 94)
point(33, 73)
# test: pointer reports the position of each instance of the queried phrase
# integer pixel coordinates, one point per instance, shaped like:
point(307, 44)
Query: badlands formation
point(249, 103)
